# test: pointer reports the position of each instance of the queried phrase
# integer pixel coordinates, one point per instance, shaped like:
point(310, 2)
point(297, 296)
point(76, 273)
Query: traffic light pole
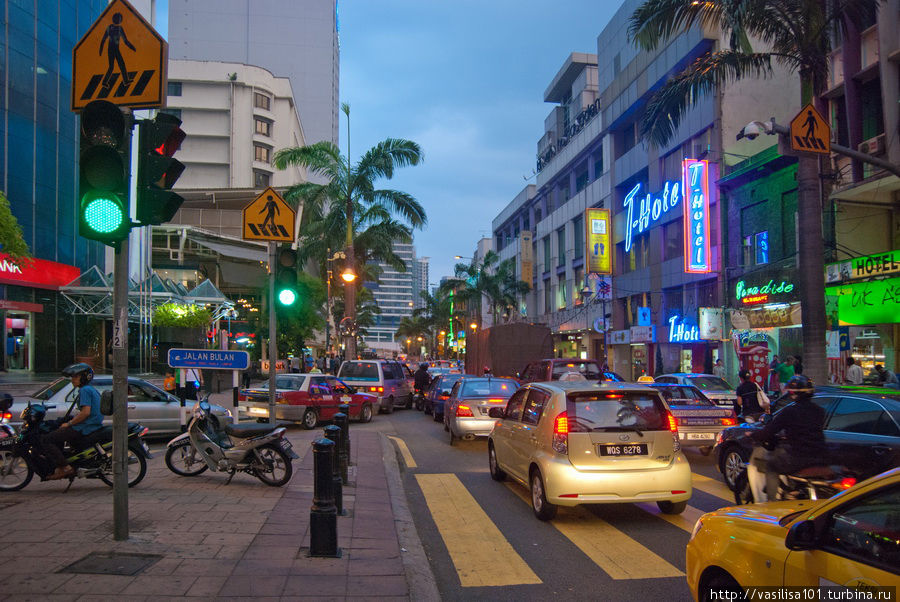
point(273, 347)
point(120, 392)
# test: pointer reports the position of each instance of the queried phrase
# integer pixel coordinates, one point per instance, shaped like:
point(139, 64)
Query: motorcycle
point(256, 449)
point(22, 455)
point(419, 399)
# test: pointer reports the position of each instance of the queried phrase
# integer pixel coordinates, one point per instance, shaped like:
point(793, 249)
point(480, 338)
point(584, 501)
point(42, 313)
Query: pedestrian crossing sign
point(810, 132)
point(269, 217)
point(121, 59)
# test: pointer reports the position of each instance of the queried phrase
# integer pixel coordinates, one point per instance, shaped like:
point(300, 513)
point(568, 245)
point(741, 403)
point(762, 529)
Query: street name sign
point(810, 132)
point(213, 359)
point(269, 217)
point(121, 59)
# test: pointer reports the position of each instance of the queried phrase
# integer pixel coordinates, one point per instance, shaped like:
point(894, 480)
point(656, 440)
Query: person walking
point(785, 371)
point(798, 365)
point(193, 383)
point(854, 375)
point(747, 402)
point(719, 369)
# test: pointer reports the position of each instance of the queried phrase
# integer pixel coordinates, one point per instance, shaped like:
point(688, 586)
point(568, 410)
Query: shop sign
point(643, 334)
point(526, 255)
point(695, 174)
point(600, 325)
point(599, 251)
point(37, 273)
point(682, 331)
point(21, 306)
point(712, 323)
point(772, 291)
point(620, 337)
point(643, 316)
point(874, 302)
point(651, 210)
point(745, 338)
point(864, 267)
point(770, 317)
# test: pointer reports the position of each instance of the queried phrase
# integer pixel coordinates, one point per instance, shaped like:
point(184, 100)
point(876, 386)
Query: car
point(699, 419)
point(717, 389)
point(466, 411)
point(578, 442)
point(308, 399)
point(386, 379)
point(851, 540)
point(861, 432)
point(551, 369)
point(438, 392)
point(148, 404)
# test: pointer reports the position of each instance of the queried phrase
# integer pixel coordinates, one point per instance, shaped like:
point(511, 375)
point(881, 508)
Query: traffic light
point(103, 206)
point(286, 277)
point(160, 139)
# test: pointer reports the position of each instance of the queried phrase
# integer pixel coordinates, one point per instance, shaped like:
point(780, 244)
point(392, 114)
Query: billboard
point(598, 235)
point(696, 216)
point(526, 255)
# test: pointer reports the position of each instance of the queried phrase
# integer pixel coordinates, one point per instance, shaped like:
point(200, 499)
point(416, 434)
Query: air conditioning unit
point(872, 146)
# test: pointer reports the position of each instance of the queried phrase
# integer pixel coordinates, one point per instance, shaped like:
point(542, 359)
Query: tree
point(796, 35)
point(11, 240)
point(353, 187)
point(494, 281)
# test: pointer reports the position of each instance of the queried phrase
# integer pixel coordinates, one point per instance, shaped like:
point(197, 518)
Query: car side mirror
point(801, 536)
point(497, 412)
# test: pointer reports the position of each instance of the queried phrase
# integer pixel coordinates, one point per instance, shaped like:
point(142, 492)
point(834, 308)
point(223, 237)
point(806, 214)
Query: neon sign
point(682, 332)
point(696, 216)
point(752, 295)
point(650, 210)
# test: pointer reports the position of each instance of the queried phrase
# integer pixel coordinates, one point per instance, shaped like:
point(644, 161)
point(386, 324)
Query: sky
point(465, 79)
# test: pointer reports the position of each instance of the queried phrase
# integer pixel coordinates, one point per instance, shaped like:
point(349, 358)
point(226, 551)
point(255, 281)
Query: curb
point(419, 577)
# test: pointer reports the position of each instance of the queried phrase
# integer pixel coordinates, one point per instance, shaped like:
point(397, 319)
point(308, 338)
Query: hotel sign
point(869, 266)
point(649, 211)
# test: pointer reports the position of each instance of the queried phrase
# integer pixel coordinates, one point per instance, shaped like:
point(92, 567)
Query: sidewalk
point(209, 540)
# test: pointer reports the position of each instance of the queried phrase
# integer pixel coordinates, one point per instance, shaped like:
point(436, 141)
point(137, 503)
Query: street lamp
point(348, 275)
point(408, 340)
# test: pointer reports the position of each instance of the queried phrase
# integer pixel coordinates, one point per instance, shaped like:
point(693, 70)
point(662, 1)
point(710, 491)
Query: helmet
point(800, 387)
point(487, 369)
point(423, 366)
point(76, 369)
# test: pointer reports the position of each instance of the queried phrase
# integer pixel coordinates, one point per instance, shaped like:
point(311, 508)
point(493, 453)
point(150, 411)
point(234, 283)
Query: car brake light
point(6, 416)
point(381, 389)
point(560, 441)
point(728, 421)
point(673, 423)
point(846, 483)
point(496, 401)
point(464, 411)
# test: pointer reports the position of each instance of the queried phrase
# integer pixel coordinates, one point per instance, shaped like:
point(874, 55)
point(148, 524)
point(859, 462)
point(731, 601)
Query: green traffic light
point(103, 214)
point(287, 296)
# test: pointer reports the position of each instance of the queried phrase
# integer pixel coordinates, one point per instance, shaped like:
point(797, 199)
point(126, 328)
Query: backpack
point(106, 403)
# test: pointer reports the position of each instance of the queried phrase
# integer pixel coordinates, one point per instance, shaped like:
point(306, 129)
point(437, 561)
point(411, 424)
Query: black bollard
point(340, 420)
point(345, 409)
point(333, 433)
point(323, 514)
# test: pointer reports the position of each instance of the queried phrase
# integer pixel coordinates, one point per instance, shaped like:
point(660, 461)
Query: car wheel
point(732, 465)
point(543, 509)
point(436, 417)
point(365, 413)
point(667, 507)
point(452, 436)
point(310, 419)
point(722, 584)
point(390, 406)
point(496, 472)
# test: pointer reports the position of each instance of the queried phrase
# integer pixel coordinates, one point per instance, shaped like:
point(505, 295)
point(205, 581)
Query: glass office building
point(39, 176)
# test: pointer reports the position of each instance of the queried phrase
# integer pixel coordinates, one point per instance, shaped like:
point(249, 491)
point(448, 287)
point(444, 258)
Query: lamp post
point(442, 347)
point(408, 341)
point(602, 289)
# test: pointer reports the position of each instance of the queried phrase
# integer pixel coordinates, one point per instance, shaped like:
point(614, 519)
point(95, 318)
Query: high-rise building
point(420, 281)
point(297, 39)
point(393, 294)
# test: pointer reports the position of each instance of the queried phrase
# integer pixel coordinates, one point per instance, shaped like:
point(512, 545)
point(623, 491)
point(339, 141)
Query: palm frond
point(403, 204)
point(655, 21)
point(322, 158)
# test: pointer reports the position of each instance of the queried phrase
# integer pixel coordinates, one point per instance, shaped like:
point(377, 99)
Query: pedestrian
point(193, 382)
point(332, 364)
point(773, 376)
point(854, 375)
point(886, 378)
point(785, 371)
point(798, 365)
point(719, 369)
point(746, 404)
point(169, 383)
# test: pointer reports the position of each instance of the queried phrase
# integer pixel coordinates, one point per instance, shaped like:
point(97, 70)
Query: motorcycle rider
point(422, 378)
point(88, 420)
point(803, 424)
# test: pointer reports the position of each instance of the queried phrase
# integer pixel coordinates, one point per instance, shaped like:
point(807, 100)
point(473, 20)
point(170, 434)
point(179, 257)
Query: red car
point(306, 398)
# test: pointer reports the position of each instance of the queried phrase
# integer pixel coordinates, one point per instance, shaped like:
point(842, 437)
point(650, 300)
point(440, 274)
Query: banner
point(599, 251)
point(862, 303)
point(712, 323)
point(526, 254)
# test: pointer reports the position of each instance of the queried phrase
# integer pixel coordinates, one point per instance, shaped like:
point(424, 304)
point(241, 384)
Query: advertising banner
point(37, 273)
point(861, 303)
point(599, 250)
point(643, 334)
point(712, 323)
point(526, 253)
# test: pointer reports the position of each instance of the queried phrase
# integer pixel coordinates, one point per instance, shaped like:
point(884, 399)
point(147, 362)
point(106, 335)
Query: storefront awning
point(234, 251)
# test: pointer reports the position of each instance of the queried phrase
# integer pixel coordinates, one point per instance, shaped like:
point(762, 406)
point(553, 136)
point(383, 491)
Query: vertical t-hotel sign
point(696, 216)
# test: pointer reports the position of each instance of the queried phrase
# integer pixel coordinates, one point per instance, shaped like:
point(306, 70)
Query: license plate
point(286, 445)
point(636, 449)
point(701, 435)
point(7, 442)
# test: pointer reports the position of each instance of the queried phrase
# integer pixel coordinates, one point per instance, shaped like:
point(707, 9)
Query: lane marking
point(620, 556)
point(686, 520)
point(404, 451)
point(712, 487)
point(480, 553)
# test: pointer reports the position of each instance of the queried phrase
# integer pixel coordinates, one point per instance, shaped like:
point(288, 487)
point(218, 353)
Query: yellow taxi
point(850, 540)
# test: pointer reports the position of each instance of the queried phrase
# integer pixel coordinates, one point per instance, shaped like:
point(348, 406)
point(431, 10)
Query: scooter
point(256, 449)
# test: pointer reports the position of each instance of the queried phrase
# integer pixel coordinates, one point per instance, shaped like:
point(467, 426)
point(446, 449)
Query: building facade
point(393, 293)
point(420, 282)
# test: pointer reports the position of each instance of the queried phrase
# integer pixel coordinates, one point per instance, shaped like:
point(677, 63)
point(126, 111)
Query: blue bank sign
point(213, 359)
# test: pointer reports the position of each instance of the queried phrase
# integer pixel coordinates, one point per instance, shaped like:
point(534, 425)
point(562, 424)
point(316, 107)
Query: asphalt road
point(483, 534)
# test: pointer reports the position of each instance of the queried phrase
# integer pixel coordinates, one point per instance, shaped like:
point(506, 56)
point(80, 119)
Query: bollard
point(323, 514)
point(345, 408)
point(333, 433)
point(340, 419)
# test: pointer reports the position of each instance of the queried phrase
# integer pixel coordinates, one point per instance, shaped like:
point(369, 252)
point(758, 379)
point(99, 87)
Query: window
point(261, 179)
point(747, 251)
point(547, 296)
point(261, 153)
point(337, 386)
point(581, 178)
point(561, 294)
point(534, 407)
point(674, 239)
point(598, 163)
point(866, 530)
point(561, 247)
point(854, 415)
point(546, 253)
point(579, 282)
point(578, 227)
point(261, 101)
point(318, 386)
point(761, 246)
point(173, 89)
point(263, 127)
point(173, 112)
point(514, 405)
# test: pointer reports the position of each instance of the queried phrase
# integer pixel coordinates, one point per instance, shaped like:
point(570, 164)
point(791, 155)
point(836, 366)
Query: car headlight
point(697, 527)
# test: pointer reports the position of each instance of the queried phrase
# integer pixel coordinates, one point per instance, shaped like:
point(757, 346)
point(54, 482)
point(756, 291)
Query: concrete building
point(393, 294)
point(420, 281)
point(296, 39)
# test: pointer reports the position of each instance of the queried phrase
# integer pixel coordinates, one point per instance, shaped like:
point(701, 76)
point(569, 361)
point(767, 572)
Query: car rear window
point(589, 370)
point(52, 389)
point(683, 396)
point(359, 371)
point(710, 383)
point(598, 411)
point(285, 382)
point(446, 383)
point(487, 387)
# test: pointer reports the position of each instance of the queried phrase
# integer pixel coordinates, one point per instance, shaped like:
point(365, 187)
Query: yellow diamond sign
point(269, 217)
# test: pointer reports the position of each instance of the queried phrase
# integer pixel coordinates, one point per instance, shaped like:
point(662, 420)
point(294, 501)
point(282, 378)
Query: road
point(484, 543)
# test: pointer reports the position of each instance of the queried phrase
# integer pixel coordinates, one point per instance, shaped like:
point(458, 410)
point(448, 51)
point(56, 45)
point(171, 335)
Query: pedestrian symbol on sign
point(269, 217)
point(810, 132)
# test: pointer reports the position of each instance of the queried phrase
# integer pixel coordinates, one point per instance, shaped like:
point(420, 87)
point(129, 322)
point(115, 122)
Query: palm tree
point(797, 36)
point(439, 313)
point(413, 328)
point(353, 187)
point(507, 291)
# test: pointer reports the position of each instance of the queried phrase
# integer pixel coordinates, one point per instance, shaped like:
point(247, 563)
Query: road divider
point(404, 451)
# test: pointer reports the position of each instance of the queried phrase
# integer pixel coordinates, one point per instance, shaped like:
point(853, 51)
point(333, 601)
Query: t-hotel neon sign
point(695, 174)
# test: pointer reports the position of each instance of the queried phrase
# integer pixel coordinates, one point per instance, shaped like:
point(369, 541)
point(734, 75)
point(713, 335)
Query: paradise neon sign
point(752, 295)
point(682, 332)
point(696, 216)
point(650, 210)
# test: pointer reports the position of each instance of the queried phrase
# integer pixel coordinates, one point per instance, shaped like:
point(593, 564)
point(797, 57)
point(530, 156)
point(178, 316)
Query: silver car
point(466, 413)
point(716, 389)
point(147, 404)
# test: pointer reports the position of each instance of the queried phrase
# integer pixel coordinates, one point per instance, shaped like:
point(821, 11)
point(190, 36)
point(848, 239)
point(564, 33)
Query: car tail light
point(381, 389)
point(846, 483)
point(5, 415)
point(464, 411)
point(376, 389)
point(496, 401)
point(673, 423)
point(561, 433)
point(673, 428)
point(728, 421)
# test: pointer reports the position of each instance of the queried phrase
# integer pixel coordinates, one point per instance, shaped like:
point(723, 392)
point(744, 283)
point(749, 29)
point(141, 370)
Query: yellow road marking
point(620, 556)
point(404, 451)
point(686, 520)
point(480, 553)
point(712, 487)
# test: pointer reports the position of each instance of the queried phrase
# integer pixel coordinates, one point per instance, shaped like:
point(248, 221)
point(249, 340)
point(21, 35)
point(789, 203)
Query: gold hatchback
point(583, 442)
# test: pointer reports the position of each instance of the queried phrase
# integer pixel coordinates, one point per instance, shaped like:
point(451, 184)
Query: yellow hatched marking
point(404, 451)
point(712, 487)
point(686, 520)
point(480, 553)
point(620, 556)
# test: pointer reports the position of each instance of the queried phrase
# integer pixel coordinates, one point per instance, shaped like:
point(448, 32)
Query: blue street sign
point(213, 359)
